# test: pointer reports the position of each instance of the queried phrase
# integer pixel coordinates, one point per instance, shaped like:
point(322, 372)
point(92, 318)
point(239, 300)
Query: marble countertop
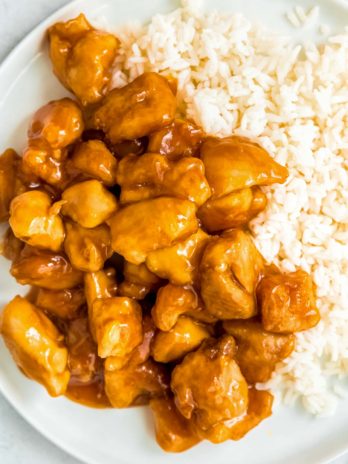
point(19, 442)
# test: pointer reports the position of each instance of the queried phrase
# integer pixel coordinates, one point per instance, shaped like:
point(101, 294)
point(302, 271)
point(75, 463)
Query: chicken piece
point(142, 227)
point(153, 175)
point(45, 269)
point(140, 354)
point(117, 325)
point(64, 304)
point(36, 345)
point(173, 83)
point(11, 246)
point(54, 127)
point(174, 433)
point(179, 263)
point(40, 160)
point(135, 384)
point(181, 138)
point(9, 182)
point(258, 350)
point(231, 268)
point(86, 384)
point(127, 147)
point(145, 105)
point(249, 266)
point(141, 177)
point(233, 210)
point(186, 179)
point(96, 160)
point(36, 221)
point(82, 57)
point(59, 123)
point(13, 180)
point(87, 249)
point(83, 362)
point(26, 180)
point(138, 281)
point(208, 385)
point(234, 163)
point(259, 408)
point(99, 285)
point(288, 302)
point(140, 274)
point(45, 165)
point(185, 336)
point(132, 290)
point(88, 203)
point(199, 313)
point(172, 301)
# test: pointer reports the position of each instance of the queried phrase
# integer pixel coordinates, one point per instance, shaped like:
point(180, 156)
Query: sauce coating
point(131, 226)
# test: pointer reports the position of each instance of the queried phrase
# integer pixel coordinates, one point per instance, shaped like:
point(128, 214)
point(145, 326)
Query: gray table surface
point(19, 442)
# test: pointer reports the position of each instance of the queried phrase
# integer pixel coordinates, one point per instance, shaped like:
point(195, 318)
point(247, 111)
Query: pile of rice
point(236, 77)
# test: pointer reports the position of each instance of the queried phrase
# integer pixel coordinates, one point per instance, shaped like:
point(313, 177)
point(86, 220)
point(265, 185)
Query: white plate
point(126, 436)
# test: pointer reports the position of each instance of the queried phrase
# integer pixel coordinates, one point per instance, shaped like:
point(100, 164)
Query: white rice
point(293, 18)
point(313, 15)
point(324, 29)
point(301, 14)
point(299, 18)
point(237, 77)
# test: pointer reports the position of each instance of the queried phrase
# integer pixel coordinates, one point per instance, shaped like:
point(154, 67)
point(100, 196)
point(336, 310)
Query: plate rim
point(7, 62)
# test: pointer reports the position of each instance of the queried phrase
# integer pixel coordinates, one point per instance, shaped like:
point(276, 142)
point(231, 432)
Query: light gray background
point(19, 442)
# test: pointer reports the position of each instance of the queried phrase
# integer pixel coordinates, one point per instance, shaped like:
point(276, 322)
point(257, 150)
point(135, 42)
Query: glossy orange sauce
point(86, 384)
point(92, 395)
